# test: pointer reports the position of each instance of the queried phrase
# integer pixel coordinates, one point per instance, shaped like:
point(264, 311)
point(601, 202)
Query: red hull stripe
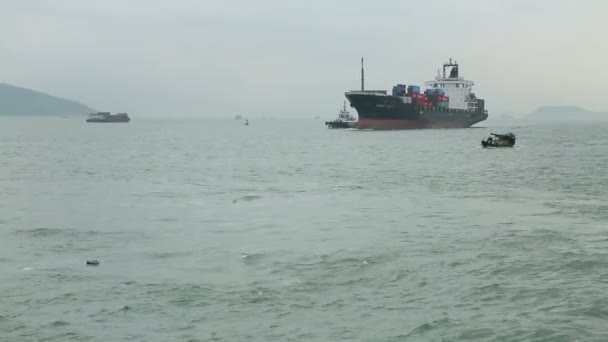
point(406, 124)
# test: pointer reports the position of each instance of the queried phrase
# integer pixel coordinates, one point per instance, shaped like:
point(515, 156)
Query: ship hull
point(340, 124)
point(391, 112)
point(408, 124)
point(110, 119)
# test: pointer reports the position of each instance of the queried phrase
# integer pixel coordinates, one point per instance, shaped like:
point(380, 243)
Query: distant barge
point(108, 117)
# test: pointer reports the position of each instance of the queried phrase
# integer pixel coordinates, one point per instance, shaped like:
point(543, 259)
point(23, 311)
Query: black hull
point(391, 112)
point(110, 119)
point(489, 144)
point(340, 124)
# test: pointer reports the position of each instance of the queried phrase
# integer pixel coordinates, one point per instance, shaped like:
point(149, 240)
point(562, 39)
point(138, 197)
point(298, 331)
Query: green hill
point(21, 101)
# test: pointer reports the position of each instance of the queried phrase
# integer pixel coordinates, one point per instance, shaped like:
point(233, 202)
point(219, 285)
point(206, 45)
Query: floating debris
point(93, 262)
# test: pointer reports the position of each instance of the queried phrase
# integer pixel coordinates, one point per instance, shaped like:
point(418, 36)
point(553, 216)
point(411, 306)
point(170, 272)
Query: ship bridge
point(457, 88)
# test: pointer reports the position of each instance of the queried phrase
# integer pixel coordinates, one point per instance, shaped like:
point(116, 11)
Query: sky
point(282, 58)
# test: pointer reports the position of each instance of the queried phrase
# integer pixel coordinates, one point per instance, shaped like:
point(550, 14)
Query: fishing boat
point(499, 140)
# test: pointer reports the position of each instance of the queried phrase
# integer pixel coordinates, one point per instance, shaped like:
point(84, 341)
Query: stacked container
point(413, 89)
point(399, 90)
point(395, 91)
point(434, 91)
point(421, 100)
point(443, 101)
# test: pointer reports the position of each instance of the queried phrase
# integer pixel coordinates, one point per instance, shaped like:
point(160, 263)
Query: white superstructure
point(345, 116)
point(456, 88)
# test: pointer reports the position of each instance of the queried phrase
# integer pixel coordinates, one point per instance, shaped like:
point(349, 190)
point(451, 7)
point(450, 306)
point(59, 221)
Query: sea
point(284, 230)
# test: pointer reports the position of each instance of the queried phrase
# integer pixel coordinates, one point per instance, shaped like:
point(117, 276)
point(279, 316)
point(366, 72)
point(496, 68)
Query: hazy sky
point(297, 58)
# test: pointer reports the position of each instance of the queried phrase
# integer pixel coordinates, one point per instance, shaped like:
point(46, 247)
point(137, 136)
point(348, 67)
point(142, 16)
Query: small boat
point(344, 120)
point(93, 262)
point(108, 117)
point(246, 122)
point(499, 140)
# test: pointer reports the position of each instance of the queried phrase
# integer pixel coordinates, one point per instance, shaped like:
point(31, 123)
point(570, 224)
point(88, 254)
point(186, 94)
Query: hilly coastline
point(21, 101)
point(566, 113)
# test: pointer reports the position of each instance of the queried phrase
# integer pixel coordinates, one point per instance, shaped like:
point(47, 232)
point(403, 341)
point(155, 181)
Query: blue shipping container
point(413, 89)
point(399, 90)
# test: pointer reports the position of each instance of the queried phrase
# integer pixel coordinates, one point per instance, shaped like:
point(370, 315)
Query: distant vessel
point(246, 122)
point(344, 120)
point(108, 117)
point(447, 103)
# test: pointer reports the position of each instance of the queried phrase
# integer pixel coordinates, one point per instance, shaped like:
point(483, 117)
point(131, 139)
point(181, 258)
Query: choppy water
point(287, 231)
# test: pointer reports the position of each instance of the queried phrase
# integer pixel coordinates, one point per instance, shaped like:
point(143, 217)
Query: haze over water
point(208, 230)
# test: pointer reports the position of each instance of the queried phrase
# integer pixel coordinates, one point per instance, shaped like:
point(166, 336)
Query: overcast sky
point(286, 58)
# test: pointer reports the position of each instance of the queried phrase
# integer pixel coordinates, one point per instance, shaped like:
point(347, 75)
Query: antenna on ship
point(362, 76)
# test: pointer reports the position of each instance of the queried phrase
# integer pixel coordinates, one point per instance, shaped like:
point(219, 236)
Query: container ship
point(448, 102)
point(108, 117)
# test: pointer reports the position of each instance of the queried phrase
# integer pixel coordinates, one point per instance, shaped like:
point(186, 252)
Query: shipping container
point(413, 89)
point(399, 90)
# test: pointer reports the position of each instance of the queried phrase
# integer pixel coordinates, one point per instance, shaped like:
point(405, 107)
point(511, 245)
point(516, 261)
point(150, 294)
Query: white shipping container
point(406, 99)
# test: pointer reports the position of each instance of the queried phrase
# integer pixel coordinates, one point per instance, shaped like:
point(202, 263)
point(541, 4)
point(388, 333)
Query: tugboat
point(108, 117)
point(499, 140)
point(344, 120)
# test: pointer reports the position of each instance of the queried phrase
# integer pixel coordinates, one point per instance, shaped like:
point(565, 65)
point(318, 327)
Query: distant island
point(22, 101)
point(566, 113)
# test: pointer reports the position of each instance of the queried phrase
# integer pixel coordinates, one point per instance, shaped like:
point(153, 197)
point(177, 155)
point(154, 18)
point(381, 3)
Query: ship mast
point(362, 76)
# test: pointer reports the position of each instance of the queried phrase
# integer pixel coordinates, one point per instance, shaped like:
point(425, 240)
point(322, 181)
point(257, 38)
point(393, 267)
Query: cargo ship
point(108, 117)
point(448, 102)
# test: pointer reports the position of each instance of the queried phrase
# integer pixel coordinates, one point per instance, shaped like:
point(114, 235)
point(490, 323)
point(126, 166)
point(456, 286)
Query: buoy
point(93, 262)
